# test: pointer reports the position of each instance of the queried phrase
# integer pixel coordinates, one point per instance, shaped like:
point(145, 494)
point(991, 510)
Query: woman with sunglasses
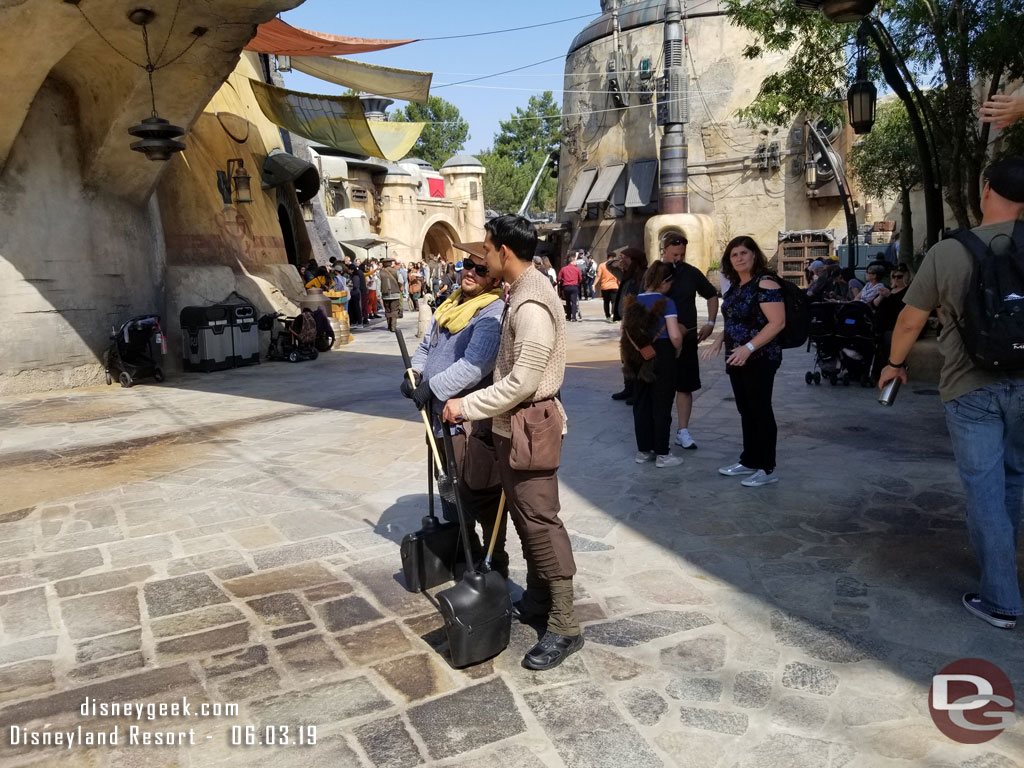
point(888, 305)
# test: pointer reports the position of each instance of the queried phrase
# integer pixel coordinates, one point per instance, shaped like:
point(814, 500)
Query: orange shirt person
point(608, 284)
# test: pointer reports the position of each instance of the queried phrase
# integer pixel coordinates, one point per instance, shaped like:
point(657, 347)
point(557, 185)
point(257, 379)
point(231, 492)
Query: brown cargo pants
point(532, 500)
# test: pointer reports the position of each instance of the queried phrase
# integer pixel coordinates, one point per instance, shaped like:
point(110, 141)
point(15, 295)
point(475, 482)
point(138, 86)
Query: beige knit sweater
point(531, 359)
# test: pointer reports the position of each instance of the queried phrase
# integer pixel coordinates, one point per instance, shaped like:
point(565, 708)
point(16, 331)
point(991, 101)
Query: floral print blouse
point(744, 318)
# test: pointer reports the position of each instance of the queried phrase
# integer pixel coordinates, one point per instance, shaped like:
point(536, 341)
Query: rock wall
point(72, 262)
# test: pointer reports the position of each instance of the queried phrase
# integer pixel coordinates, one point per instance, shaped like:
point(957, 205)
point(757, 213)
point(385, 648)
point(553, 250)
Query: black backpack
point(798, 315)
point(992, 325)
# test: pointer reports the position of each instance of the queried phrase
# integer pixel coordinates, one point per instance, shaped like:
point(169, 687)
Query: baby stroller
point(822, 334)
point(855, 331)
point(131, 351)
point(295, 340)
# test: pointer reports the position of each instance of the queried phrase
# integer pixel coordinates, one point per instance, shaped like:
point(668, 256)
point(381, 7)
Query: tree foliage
point(445, 134)
point(959, 51)
point(885, 160)
point(521, 146)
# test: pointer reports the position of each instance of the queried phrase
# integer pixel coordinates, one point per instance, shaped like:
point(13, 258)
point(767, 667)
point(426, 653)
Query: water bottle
point(888, 396)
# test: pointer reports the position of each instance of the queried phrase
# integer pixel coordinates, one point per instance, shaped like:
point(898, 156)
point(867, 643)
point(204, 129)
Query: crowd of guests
point(882, 290)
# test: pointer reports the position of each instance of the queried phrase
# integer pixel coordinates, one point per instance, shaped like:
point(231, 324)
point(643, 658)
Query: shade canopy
point(405, 84)
point(283, 39)
point(335, 121)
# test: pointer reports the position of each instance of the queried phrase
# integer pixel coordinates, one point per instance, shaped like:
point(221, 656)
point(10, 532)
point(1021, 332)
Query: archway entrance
point(290, 246)
point(437, 243)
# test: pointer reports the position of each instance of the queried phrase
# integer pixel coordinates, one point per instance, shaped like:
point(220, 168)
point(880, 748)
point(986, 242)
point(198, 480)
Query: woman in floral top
point(754, 315)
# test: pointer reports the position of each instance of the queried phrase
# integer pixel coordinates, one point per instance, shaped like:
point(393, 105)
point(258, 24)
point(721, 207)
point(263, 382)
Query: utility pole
point(674, 192)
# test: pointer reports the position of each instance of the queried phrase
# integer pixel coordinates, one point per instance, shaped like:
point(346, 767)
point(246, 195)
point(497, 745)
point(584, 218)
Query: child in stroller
point(295, 339)
point(131, 351)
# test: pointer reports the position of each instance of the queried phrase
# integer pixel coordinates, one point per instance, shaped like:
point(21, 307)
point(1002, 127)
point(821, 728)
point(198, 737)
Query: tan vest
point(532, 286)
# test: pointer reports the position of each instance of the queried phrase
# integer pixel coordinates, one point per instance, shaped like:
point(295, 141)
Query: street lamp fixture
point(862, 97)
point(842, 11)
point(238, 179)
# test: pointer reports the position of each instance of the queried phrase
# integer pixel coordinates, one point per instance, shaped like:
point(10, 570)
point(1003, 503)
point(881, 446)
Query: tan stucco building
point(748, 180)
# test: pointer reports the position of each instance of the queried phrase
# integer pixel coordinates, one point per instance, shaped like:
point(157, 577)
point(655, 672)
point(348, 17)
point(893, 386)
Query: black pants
point(585, 288)
point(652, 411)
point(572, 297)
point(609, 301)
point(752, 385)
point(355, 309)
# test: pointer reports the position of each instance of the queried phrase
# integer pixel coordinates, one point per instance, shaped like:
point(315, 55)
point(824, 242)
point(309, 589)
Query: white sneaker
point(642, 457)
point(667, 461)
point(684, 440)
point(760, 478)
point(735, 470)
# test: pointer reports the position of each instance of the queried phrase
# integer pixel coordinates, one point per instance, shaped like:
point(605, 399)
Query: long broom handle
point(430, 432)
point(498, 520)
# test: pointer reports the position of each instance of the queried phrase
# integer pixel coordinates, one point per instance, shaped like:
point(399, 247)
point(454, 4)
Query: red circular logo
point(971, 701)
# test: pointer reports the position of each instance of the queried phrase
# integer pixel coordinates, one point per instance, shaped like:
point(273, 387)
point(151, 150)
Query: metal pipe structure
point(844, 191)
point(524, 209)
point(674, 193)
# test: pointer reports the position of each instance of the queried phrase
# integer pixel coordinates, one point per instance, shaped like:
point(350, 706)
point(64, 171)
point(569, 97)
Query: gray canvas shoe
point(760, 478)
point(735, 470)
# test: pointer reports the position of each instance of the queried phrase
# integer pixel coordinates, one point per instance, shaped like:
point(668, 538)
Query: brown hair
point(657, 273)
point(760, 260)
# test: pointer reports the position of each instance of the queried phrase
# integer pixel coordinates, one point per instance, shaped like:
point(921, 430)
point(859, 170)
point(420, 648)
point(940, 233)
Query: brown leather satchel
point(536, 437)
point(648, 352)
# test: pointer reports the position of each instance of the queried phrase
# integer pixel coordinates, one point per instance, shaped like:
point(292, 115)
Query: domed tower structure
point(464, 186)
point(627, 143)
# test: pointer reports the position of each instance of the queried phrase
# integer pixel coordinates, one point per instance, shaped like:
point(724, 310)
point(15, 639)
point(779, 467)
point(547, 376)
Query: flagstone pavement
point(232, 538)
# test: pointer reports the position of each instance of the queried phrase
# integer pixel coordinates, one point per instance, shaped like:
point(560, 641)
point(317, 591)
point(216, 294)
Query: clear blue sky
point(452, 60)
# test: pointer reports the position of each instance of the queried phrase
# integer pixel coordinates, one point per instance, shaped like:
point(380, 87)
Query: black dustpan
point(477, 611)
point(429, 555)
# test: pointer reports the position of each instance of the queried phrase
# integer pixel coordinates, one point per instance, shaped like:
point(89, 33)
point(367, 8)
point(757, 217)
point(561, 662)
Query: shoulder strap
point(974, 244)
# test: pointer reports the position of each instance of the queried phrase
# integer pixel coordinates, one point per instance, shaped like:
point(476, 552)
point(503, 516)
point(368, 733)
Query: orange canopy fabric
point(283, 39)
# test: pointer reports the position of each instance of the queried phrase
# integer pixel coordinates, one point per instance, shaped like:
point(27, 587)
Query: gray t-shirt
point(943, 281)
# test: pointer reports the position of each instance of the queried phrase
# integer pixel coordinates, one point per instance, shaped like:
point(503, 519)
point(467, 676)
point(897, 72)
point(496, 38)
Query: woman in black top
point(629, 265)
point(754, 315)
point(888, 305)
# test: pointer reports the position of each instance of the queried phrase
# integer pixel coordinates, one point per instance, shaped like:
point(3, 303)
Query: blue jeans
point(987, 429)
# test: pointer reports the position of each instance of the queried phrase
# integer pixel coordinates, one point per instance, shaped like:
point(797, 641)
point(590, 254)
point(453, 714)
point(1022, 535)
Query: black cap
point(1006, 177)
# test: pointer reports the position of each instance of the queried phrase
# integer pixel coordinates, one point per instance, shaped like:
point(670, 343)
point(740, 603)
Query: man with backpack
point(982, 379)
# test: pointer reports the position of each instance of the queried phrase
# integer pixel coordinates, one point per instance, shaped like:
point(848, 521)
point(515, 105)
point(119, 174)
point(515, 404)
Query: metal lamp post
point(898, 77)
point(830, 156)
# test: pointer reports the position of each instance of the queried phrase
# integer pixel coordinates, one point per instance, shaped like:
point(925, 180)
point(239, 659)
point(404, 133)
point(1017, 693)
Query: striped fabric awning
point(282, 39)
point(404, 84)
point(335, 121)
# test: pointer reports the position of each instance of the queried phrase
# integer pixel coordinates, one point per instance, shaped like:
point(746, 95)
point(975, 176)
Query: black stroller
point(822, 334)
point(131, 352)
point(295, 339)
point(855, 331)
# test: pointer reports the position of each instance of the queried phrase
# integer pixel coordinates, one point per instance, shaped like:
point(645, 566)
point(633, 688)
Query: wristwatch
point(750, 346)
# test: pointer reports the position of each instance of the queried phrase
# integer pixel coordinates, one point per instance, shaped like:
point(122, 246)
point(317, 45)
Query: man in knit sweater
point(529, 370)
point(455, 356)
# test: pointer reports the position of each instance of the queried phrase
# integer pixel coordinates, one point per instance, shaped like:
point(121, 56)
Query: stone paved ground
point(232, 538)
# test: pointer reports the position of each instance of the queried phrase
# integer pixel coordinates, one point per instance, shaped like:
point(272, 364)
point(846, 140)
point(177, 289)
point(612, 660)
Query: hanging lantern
point(158, 137)
point(861, 101)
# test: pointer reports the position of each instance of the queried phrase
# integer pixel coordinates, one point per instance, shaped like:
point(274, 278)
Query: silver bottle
point(888, 396)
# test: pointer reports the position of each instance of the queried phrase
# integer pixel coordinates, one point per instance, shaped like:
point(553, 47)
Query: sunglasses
point(481, 269)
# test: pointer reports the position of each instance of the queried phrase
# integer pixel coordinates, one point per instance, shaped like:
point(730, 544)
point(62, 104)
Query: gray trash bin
point(206, 343)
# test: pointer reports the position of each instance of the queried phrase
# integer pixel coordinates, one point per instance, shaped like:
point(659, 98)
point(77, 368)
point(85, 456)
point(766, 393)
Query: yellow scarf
point(453, 316)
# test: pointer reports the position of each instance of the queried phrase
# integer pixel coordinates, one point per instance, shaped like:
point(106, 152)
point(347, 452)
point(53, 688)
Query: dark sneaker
point(972, 602)
point(527, 617)
point(621, 395)
point(551, 651)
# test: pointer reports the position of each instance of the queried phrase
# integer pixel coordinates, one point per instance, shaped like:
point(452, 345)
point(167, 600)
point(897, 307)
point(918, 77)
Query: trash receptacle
point(245, 336)
point(206, 343)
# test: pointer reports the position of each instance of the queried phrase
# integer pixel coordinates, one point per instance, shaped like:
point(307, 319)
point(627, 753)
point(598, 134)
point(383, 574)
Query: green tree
point(962, 49)
point(523, 143)
point(445, 134)
point(885, 164)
